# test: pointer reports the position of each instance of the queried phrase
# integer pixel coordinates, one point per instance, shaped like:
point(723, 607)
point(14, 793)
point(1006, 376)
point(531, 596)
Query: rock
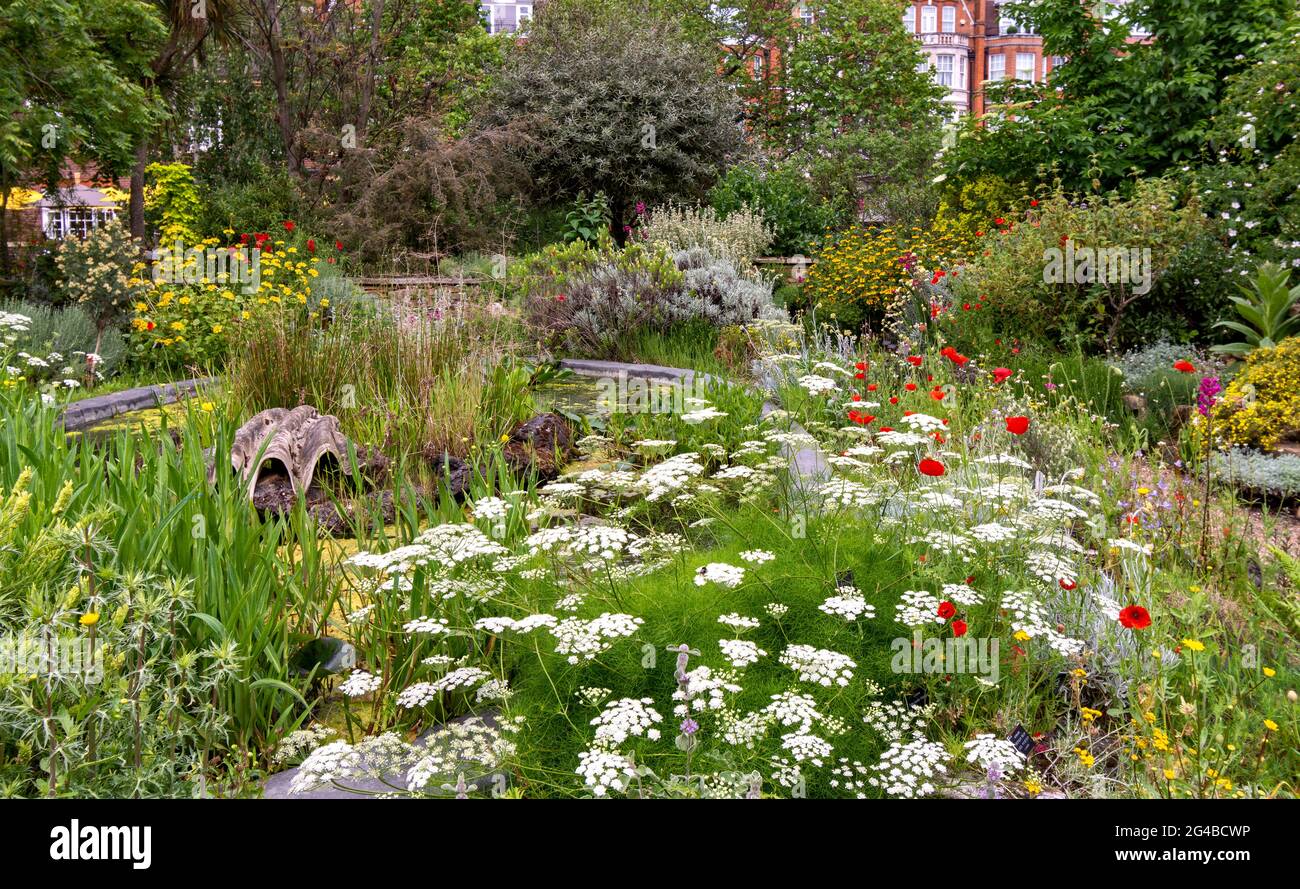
point(540, 446)
point(327, 656)
point(454, 471)
point(1137, 405)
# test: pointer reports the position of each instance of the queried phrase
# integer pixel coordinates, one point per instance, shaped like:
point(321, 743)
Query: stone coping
point(87, 412)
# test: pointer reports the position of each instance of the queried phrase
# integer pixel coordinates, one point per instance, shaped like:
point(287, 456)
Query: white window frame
point(1033, 66)
point(942, 75)
point(949, 25)
point(1001, 72)
point(929, 19)
point(909, 19)
point(58, 222)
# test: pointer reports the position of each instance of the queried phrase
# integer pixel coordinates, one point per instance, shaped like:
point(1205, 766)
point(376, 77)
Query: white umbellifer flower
point(815, 385)
point(907, 770)
point(790, 708)
point(603, 541)
point(604, 770)
point(734, 473)
point(699, 416)
point(807, 748)
point(419, 695)
point(917, 608)
point(850, 775)
point(548, 540)
point(844, 492)
point(584, 640)
point(738, 621)
point(990, 752)
point(819, 665)
point(429, 626)
point(453, 544)
point(923, 423)
point(1051, 568)
point(1052, 510)
point(1029, 616)
point(591, 695)
point(1003, 460)
point(359, 616)
point(702, 689)
point(757, 556)
point(994, 532)
point(498, 625)
point(962, 594)
point(730, 576)
point(465, 677)
point(624, 718)
point(849, 604)
point(457, 747)
point(895, 720)
point(897, 439)
point(570, 602)
point(491, 508)
point(776, 609)
point(741, 652)
point(493, 690)
point(669, 477)
point(654, 444)
point(360, 683)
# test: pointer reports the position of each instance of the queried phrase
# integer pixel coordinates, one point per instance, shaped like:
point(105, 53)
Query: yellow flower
point(1270, 672)
point(1270, 725)
point(1194, 645)
point(1021, 636)
point(141, 307)
point(1089, 714)
point(1169, 774)
point(207, 406)
point(89, 619)
point(216, 328)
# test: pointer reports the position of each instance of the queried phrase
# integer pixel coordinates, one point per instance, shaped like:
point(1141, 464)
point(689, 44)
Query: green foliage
point(797, 216)
point(588, 219)
point(70, 331)
point(172, 200)
point(1276, 475)
point(97, 273)
point(619, 99)
point(739, 238)
point(1267, 308)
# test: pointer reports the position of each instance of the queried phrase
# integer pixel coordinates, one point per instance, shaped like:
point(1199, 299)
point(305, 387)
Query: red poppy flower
point(311, 245)
point(1135, 617)
point(148, 325)
point(914, 360)
point(1017, 425)
point(1185, 366)
point(937, 393)
point(338, 245)
point(871, 387)
point(886, 428)
point(243, 239)
point(910, 387)
point(958, 627)
point(1067, 584)
point(1001, 374)
point(861, 365)
point(999, 222)
point(288, 226)
point(930, 467)
point(893, 399)
point(947, 610)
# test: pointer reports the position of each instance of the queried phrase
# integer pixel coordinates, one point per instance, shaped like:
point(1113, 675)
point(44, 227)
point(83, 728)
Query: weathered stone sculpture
point(282, 453)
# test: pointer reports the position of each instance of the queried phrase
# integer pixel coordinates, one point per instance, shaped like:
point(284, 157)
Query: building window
point(949, 19)
point(525, 13)
point(501, 17)
point(805, 15)
point(943, 70)
point(961, 72)
point(758, 66)
point(909, 20)
point(929, 19)
point(73, 221)
point(1025, 66)
point(997, 67)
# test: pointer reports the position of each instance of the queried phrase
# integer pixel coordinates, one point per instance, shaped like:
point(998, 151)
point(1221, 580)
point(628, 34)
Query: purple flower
point(689, 726)
point(1206, 395)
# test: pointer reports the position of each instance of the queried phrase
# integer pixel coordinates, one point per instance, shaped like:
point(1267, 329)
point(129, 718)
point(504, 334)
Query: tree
point(1116, 109)
point(617, 98)
point(70, 88)
point(861, 112)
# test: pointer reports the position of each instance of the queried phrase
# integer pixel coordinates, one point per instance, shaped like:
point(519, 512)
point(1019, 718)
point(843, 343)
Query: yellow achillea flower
point(89, 619)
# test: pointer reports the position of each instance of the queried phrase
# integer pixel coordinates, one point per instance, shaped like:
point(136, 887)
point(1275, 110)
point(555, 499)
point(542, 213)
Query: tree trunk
point(137, 190)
